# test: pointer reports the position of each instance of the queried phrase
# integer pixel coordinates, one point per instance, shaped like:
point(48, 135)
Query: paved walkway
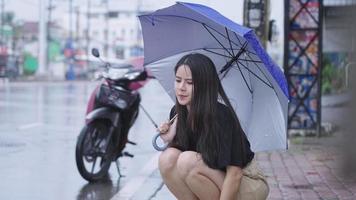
point(309, 170)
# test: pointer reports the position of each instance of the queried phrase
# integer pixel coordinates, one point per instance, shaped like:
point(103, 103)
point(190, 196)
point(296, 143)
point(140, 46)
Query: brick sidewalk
point(309, 170)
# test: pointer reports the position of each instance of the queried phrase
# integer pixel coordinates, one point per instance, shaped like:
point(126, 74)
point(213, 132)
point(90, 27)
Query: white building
point(124, 35)
point(113, 25)
point(120, 29)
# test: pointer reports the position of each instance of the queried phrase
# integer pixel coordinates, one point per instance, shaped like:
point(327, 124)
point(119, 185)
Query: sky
point(28, 10)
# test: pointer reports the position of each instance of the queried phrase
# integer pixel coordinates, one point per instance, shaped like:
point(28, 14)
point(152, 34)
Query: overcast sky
point(28, 10)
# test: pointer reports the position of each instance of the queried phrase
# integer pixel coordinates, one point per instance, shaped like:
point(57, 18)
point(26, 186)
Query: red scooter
point(112, 109)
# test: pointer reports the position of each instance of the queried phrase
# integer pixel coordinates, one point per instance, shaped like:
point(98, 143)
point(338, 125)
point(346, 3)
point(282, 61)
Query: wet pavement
point(311, 169)
point(39, 124)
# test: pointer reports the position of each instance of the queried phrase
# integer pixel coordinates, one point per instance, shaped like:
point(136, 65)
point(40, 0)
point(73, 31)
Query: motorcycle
point(112, 109)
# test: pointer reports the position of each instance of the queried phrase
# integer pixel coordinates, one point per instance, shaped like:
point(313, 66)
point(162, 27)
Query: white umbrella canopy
point(261, 114)
point(256, 87)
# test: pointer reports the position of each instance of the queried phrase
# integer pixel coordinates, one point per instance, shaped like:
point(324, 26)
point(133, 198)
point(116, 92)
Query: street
point(284, 64)
point(40, 121)
point(39, 124)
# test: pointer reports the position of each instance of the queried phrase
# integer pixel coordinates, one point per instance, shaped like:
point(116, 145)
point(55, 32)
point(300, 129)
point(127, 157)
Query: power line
point(88, 28)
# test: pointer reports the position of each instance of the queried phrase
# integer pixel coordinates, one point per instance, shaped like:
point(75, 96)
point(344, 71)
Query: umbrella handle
point(154, 143)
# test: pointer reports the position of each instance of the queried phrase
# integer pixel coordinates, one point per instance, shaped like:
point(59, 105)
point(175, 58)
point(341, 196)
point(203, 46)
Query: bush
point(333, 77)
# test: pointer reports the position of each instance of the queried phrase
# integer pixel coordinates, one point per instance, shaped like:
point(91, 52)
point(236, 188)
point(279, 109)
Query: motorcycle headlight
point(132, 75)
point(121, 103)
point(117, 73)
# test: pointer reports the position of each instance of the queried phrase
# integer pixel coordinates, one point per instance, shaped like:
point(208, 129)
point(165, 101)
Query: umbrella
point(255, 85)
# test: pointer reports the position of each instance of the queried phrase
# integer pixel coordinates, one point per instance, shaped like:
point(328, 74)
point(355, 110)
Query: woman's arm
point(231, 183)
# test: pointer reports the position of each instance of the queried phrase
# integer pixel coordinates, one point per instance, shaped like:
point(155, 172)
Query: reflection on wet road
point(39, 124)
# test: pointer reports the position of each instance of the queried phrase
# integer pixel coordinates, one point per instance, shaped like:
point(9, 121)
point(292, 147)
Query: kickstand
point(118, 168)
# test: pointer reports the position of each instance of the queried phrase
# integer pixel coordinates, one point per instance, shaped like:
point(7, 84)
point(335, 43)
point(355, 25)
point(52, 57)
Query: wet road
point(39, 124)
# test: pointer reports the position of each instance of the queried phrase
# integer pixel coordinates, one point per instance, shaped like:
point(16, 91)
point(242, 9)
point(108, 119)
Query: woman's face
point(184, 85)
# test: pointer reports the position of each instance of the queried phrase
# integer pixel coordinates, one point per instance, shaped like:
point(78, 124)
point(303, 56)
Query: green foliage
point(333, 78)
point(30, 64)
point(54, 50)
point(327, 74)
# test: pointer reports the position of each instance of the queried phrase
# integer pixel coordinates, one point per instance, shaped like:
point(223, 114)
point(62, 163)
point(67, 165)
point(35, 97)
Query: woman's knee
point(186, 162)
point(194, 174)
point(168, 159)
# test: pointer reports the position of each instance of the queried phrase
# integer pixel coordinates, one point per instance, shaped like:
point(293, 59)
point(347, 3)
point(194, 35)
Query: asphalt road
point(39, 125)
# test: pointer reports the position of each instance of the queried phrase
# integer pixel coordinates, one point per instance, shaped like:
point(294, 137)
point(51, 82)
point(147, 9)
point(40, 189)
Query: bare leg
point(204, 182)
point(202, 186)
point(168, 169)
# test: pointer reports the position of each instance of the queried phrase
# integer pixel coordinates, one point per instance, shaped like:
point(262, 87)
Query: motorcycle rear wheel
point(94, 151)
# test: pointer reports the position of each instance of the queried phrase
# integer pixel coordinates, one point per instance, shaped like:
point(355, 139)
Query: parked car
point(3, 63)
point(12, 68)
point(9, 66)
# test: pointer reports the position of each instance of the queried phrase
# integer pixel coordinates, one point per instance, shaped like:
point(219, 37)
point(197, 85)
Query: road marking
point(28, 126)
point(128, 191)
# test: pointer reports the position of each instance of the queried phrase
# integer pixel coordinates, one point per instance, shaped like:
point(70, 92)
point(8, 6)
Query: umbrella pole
point(149, 116)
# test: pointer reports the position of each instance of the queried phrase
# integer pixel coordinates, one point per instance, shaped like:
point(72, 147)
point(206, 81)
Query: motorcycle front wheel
point(94, 150)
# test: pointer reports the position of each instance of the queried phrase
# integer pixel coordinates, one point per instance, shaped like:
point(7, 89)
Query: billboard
point(302, 62)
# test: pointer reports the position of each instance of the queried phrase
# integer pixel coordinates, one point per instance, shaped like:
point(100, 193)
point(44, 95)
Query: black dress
point(234, 148)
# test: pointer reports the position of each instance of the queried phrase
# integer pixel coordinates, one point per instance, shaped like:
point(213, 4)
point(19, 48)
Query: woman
point(208, 149)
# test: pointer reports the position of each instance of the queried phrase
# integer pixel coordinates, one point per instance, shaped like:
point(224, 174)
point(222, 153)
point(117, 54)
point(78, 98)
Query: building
point(113, 26)
point(337, 22)
point(110, 26)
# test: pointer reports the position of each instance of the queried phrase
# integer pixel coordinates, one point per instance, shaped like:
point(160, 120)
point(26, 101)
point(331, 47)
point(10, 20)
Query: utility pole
point(42, 39)
point(256, 16)
point(2, 21)
point(87, 36)
point(49, 39)
point(106, 32)
point(77, 26)
point(138, 12)
point(70, 74)
point(70, 20)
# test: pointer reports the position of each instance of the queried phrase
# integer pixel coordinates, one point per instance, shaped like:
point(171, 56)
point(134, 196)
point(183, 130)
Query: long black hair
point(201, 118)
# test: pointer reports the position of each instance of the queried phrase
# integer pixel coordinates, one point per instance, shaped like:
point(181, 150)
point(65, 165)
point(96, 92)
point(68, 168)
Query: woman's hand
point(231, 183)
point(168, 129)
point(164, 127)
